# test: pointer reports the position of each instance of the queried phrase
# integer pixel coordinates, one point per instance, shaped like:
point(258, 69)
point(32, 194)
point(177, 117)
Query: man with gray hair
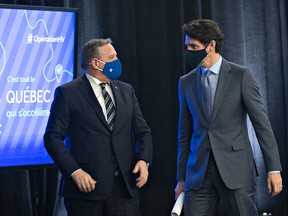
point(108, 145)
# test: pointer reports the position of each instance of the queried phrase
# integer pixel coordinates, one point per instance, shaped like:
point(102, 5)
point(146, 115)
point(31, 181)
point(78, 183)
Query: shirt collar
point(214, 68)
point(93, 80)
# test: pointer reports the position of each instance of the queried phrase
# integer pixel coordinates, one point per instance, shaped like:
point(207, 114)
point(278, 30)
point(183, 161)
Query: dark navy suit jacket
point(226, 135)
point(77, 117)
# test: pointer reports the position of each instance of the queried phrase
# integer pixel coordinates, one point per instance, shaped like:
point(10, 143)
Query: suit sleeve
point(185, 130)
point(255, 109)
point(55, 134)
point(142, 133)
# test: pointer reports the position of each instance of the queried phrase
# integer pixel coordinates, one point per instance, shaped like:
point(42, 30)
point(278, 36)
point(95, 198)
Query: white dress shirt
point(95, 83)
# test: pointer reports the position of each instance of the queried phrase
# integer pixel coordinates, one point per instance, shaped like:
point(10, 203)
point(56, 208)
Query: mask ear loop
point(96, 67)
point(206, 50)
point(102, 63)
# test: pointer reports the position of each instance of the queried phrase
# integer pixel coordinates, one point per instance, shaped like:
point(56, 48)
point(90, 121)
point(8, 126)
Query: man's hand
point(142, 168)
point(179, 188)
point(84, 181)
point(274, 183)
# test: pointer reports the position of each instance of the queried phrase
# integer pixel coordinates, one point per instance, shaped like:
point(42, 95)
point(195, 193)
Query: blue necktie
point(110, 108)
point(207, 94)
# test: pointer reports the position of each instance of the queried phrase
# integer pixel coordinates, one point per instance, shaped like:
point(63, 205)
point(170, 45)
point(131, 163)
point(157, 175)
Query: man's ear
point(213, 44)
point(94, 63)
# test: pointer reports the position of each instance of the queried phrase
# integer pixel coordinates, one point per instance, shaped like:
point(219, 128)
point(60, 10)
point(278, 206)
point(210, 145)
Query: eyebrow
point(112, 55)
point(191, 44)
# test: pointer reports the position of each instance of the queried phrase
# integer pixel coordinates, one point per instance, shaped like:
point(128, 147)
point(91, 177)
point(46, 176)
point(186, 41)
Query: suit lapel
point(223, 83)
point(88, 93)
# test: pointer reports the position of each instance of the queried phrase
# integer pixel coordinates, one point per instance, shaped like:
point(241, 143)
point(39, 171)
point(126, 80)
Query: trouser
point(204, 202)
point(120, 203)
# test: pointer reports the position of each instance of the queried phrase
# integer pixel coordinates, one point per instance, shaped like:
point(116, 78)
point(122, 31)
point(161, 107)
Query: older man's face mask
point(112, 69)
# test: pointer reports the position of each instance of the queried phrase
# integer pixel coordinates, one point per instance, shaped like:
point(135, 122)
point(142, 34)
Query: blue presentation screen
point(37, 52)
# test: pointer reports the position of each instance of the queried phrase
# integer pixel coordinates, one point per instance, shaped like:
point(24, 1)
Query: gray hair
point(90, 51)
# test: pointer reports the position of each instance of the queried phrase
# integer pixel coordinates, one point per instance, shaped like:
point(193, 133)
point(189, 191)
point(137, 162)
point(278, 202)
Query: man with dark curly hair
point(215, 159)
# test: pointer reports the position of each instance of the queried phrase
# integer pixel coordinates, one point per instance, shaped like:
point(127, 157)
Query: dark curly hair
point(205, 31)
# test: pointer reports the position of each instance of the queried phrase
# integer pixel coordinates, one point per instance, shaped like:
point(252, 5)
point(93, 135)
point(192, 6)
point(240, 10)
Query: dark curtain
point(147, 36)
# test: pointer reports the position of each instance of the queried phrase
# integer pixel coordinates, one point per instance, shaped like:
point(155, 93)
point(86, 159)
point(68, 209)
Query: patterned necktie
point(207, 94)
point(110, 108)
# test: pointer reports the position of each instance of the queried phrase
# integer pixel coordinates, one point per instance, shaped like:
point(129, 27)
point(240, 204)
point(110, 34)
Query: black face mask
point(194, 58)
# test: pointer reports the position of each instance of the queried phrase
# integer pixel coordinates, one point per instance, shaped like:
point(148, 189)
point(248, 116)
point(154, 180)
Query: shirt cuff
point(272, 172)
point(75, 172)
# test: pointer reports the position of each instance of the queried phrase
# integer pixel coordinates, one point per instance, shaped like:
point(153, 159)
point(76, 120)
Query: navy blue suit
point(76, 117)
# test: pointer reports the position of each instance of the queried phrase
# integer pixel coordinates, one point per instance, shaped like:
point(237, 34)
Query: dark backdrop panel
point(147, 36)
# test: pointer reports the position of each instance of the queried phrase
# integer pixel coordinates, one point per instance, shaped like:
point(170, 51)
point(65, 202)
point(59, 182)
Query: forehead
point(106, 50)
point(192, 41)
